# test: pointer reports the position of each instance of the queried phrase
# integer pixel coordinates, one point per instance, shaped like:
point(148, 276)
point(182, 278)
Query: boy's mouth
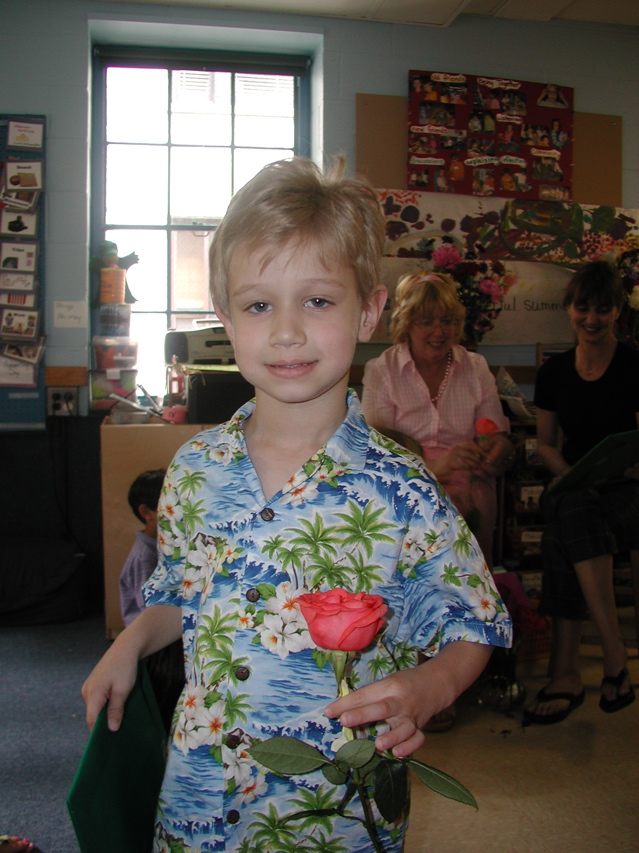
point(292, 368)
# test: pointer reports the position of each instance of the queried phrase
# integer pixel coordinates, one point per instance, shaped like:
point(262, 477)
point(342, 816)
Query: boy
point(143, 497)
point(296, 493)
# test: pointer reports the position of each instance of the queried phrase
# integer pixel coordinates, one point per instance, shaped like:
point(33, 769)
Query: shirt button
point(253, 595)
point(267, 514)
point(242, 673)
point(233, 816)
point(232, 741)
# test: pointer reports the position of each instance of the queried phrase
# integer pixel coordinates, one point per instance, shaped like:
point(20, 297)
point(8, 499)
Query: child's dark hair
point(145, 489)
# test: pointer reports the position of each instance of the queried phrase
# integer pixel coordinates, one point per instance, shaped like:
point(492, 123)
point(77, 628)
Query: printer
point(199, 346)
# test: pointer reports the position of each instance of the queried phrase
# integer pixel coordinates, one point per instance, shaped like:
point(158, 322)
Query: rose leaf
point(391, 788)
point(356, 753)
point(442, 783)
point(287, 755)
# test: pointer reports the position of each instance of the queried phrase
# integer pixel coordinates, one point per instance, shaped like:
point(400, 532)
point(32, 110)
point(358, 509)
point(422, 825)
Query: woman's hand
point(461, 457)
point(632, 472)
point(499, 454)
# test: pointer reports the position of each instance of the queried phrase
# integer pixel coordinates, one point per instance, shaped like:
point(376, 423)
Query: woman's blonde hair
point(294, 200)
point(417, 296)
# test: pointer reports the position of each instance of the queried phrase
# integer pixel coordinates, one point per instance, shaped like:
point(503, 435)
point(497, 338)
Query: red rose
point(486, 426)
point(341, 620)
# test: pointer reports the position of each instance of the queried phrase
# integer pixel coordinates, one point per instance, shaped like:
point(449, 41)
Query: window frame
point(104, 56)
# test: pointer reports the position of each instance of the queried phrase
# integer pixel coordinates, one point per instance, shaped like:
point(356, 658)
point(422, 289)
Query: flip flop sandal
point(623, 699)
point(574, 701)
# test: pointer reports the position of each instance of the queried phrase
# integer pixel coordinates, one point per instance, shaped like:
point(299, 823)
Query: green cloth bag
point(114, 795)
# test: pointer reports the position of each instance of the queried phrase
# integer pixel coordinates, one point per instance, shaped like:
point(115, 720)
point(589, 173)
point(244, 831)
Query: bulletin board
point(489, 136)
point(597, 160)
point(22, 183)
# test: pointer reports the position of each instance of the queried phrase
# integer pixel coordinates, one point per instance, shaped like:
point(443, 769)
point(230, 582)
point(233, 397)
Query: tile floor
point(572, 787)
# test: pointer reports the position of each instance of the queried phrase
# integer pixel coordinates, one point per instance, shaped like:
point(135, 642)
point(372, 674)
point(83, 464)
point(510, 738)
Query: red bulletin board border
point(489, 136)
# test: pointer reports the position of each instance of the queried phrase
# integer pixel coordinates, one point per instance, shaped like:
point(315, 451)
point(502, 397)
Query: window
point(175, 134)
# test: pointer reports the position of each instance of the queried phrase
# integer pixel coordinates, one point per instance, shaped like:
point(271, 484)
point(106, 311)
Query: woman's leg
point(564, 669)
point(596, 582)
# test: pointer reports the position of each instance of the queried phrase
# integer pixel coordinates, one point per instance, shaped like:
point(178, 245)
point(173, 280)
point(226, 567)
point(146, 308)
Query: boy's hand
point(406, 700)
point(395, 700)
point(113, 678)
point(111, 681)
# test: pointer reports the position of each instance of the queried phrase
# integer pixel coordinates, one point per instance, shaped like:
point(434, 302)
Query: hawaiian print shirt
point(361, 514)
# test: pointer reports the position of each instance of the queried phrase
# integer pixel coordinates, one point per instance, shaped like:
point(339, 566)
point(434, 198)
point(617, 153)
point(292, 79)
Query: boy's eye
point(258, 307)
point(318, 302)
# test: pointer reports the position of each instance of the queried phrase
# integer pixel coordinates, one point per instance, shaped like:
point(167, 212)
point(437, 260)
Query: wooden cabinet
point(126, 451)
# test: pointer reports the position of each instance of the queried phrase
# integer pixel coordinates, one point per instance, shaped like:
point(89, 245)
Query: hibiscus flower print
point(482, 605)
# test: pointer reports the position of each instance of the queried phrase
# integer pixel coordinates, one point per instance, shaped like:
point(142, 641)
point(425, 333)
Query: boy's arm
point(114, 676)
point(406, 700)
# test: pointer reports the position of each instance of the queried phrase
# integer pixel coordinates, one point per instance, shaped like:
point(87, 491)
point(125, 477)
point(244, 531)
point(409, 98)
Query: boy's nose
point(287, 327)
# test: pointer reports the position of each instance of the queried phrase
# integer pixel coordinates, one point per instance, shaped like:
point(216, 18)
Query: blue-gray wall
point(45, 48)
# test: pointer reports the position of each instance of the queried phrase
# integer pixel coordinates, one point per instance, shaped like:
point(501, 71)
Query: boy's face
point(294, 323)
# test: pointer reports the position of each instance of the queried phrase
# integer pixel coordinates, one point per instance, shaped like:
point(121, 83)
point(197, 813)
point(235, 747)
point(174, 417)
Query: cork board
point(380, 149)
point(596, 177)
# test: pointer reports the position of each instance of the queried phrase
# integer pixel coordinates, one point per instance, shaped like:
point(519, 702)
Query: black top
point(589, 411)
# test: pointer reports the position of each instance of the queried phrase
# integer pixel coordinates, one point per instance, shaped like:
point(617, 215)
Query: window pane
point(201, 108)
point(200, 184)
point(190, 270)
point(267, 131)
point(147, 280)
point(249, 161)
point(149, 330)
point(264, 95)
point(136, 184)
point(137, 105)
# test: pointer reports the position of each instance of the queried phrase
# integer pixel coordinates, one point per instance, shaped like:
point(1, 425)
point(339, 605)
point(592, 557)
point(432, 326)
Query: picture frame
point(21, 257)
point(19, 325)
point(18, 224)
point(25, 134)
point(28, 353)
point(18, 282)
point(23, 175)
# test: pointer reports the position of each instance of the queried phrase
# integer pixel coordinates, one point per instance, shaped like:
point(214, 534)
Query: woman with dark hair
point(586, 394)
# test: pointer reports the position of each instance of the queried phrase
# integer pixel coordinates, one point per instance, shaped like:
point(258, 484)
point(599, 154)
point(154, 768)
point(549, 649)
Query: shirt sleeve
point(490, 406)
point(377, 402)
point(165, 586)
point(449, 594)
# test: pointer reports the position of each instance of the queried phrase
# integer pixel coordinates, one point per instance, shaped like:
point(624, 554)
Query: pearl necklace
point(444, 382)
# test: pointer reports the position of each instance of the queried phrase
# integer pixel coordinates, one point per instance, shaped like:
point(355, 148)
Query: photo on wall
point(488, 136)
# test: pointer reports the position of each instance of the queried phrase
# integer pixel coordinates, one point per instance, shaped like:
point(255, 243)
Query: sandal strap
point(616, 680)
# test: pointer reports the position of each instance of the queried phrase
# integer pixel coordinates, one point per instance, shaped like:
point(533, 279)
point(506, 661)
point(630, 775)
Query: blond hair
point(293, 200)
point(417, 296)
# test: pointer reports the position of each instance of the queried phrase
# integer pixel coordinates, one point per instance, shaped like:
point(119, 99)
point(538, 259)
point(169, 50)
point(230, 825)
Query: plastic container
point(112, 284)
point(107, 382)
point(115, 320)
point(114, 352)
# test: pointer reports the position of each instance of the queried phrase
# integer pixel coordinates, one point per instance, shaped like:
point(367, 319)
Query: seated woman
point(589, 392)
point(428, 392)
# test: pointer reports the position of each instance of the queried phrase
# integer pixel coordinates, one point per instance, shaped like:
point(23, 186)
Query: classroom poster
point(488, 136)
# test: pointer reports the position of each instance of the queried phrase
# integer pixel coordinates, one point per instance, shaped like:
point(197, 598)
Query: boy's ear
point(371, 312)
point(226, 321)
point(145, 512)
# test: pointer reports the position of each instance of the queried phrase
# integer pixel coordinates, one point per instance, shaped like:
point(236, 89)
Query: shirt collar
point(348, 446)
